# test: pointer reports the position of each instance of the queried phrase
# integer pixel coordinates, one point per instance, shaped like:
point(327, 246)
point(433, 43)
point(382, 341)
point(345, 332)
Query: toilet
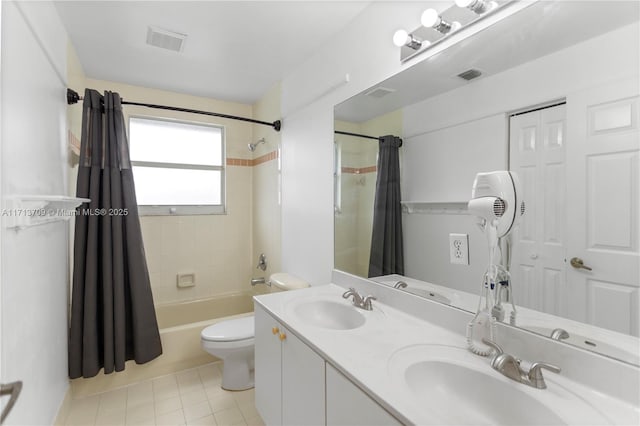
point(233, 340)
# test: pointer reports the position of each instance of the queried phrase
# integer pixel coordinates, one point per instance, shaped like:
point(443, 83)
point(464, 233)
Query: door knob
point(577, 263)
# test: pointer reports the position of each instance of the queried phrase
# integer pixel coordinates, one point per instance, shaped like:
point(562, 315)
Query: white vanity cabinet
point(348, 405)
point(289, 376)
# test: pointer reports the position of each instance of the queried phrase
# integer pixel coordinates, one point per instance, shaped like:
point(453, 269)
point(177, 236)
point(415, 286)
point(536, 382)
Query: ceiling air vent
point(379, 92)
point(470, 74)
point(165, 39)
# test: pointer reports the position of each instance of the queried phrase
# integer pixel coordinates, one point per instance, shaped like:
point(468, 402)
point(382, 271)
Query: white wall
point(363, 50)
point(266, 216)
point(34, 274)
point(487, 101)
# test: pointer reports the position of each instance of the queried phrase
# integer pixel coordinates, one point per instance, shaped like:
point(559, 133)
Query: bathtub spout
point(255, 281)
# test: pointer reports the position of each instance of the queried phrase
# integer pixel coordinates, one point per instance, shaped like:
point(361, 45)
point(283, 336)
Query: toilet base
point(237, 374)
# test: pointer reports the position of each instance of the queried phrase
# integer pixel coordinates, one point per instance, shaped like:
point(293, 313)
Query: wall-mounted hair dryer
point(496, 202)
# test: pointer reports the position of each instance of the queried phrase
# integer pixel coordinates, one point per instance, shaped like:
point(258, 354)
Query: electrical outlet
point(459, 249)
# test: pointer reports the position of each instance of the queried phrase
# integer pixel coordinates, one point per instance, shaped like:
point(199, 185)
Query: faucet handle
point(357, 299)
point(493, 345)
point(535, 373)
point(366, 303)
point(400, 284)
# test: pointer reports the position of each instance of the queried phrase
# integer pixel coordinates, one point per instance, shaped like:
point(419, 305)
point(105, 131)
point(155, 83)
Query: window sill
point(181, 210)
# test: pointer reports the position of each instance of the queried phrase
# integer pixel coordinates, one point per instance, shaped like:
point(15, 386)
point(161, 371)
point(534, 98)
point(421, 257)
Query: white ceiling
point(235, 50)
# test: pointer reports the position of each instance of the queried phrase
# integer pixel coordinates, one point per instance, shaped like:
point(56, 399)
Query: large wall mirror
point(557, 101)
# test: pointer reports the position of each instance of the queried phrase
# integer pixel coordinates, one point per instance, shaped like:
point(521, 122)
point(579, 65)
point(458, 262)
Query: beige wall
point(217, 248)
point(221, 250)
point(76, 81)
point(353, 223)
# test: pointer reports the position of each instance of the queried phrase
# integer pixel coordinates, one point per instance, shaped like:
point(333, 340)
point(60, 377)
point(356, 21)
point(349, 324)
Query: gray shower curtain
point(112, 314)
point(386, 240)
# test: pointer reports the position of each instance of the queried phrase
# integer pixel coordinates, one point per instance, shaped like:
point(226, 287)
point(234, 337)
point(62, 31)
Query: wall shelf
point(24, 211)
point(431, 207)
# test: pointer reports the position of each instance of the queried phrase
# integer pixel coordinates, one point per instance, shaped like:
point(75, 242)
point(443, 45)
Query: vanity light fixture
point(403, 38)
point(453, 25)
point(477, 6)
point(431, 19)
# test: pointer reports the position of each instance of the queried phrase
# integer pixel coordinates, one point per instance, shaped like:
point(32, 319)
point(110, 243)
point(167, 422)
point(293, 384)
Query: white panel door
point(603, 205)
point(537, 154)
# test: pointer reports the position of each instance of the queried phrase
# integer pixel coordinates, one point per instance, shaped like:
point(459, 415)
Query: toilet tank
point(282, 281)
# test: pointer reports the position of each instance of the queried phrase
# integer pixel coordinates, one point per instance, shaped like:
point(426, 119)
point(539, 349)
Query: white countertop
point(363, 355)
point(607, 342)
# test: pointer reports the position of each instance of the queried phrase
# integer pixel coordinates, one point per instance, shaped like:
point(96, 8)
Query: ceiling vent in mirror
point(379, 92)
point(470, 74)
point(165, 39)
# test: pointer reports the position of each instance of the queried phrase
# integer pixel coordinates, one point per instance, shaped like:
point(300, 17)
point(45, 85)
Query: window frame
point(184, 209)
point(337, 177)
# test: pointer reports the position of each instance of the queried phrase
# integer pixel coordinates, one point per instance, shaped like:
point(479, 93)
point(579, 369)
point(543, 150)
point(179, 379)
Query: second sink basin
point(481, 398)
point(453, 386)
point(329, 314)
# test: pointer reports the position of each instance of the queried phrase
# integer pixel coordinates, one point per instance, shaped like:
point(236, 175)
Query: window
point(178, 167)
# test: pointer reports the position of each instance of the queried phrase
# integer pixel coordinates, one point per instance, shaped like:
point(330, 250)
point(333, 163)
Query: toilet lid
point(230, 330)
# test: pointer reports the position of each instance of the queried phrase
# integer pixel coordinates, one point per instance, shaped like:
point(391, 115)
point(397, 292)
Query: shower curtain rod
point(73, 98)
point(339, 132)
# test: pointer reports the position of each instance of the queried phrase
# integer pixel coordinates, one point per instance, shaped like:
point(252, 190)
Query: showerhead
point(252, 146)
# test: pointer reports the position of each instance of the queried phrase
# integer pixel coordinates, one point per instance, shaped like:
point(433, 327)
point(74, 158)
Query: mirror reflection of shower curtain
point(112, 314)
point(387, 255)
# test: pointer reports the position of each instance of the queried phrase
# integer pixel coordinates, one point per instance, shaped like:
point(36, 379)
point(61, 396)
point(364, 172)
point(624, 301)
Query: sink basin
point(481, 398)
point(329, 314)
point(449, 385)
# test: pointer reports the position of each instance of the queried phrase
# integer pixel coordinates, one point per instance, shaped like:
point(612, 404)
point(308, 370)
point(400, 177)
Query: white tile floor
point(189, 397)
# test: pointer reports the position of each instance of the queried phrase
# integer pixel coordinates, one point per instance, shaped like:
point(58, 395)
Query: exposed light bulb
point(400, 38)
point(477, 6)
point(430, 18)
point(464, 3)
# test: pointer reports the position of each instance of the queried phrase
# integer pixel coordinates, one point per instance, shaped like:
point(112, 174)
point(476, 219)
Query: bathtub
point(180, 326)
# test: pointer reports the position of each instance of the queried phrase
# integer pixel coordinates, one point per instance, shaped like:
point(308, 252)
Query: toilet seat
point(234, 330)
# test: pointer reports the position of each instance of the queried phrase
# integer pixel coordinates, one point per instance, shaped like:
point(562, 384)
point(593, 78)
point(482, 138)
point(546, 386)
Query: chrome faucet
point(255, 281)
point(504, 363)
point(359, 301)
point(509, 366)
point(400, 284)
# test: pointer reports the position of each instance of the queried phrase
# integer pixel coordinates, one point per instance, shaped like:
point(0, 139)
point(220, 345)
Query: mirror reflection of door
point(590, 145)
point(537, 154)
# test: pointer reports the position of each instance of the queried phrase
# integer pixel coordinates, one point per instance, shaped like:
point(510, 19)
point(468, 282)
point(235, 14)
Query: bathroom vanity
point(321, 360)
